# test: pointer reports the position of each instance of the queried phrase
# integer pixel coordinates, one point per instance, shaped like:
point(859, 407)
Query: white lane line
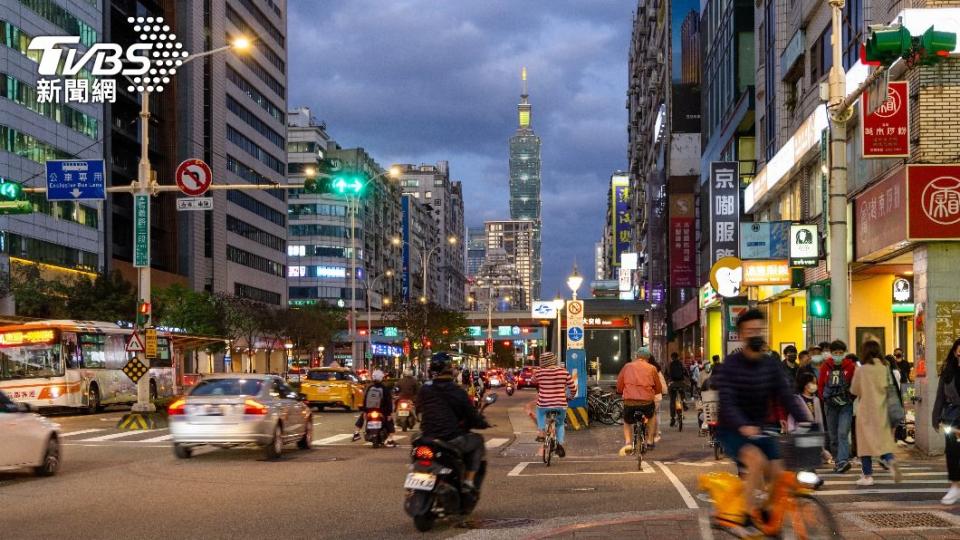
point(81, 432)
point(868, 491)
point(684, 494)
point(495, 443)
point(944, 481)
point(331, 440)
point(162, 438)
point(113, 436)
point(832, 475)
point(519, 468)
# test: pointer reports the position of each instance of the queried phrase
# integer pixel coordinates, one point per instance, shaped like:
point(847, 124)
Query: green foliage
point(199, 313)
point(104, 298)
point(310, 327)
point(428, 322)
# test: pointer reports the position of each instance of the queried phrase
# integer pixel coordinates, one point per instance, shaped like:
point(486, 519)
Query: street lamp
point(574, 281)
point(369, 284)
point(143, 188)
point(424, 260)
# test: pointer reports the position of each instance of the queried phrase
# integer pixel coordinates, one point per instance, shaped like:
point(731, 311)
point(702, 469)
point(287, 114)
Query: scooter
point(435, 480)
point(374, 431)
point(406, 414)
point(511, 387)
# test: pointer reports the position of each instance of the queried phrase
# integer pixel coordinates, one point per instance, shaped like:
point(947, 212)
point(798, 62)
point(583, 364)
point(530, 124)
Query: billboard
point(886, 131)
point(683, 261)
point(620, 214)
point(724, 209)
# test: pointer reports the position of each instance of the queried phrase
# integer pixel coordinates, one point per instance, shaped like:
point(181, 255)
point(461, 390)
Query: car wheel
point(93, 400)
point(275, 446)
point(319, 408)
point(182, 452)
point(51, 459)
point(306, 442)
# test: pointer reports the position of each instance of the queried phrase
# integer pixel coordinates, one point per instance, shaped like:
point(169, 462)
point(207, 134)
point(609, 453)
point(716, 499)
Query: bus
point(68, 364)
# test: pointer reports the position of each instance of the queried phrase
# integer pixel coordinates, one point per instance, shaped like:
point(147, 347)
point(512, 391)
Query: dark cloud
point(420, 81)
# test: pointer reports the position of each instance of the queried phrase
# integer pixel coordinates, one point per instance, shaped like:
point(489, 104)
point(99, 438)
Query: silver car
point(227, 410)
point(27, 439)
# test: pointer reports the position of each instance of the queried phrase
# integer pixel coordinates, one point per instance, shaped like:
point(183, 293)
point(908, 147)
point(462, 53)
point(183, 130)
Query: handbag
point(895, 411)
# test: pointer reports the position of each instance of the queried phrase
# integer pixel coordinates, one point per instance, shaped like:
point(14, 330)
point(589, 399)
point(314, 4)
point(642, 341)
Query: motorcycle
point(434, 483)
point(406, 414)
point(374, 430)
point(511, 387)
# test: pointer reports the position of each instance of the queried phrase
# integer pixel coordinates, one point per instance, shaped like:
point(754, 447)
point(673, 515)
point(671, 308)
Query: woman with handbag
point(877, 404)
point(946, 412)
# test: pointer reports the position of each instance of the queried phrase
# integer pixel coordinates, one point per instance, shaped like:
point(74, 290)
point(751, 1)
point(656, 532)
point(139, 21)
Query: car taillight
point(423, 453)
point(177, 408)
point(254, 407)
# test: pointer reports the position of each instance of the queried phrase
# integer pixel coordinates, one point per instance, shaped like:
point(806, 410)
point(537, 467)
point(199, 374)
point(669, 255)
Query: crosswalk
point(161, 438)
point(919, 477)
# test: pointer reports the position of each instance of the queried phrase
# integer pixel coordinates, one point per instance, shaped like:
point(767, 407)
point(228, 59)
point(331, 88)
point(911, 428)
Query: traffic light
point(10, 191)
point(818, 301)
point(316, 186)
point(887, 44)
point(347, 184)
point(143, 314)
point(11, 201)
point(935, 45)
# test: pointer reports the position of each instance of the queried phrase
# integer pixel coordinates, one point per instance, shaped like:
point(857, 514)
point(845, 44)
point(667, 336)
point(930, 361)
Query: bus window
point(28, 361)
point(93, 348)
point(116, 352)
point(71, 352)
point(164, 354)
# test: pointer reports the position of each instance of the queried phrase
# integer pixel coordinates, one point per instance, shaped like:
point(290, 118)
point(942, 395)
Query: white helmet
point(377, 376)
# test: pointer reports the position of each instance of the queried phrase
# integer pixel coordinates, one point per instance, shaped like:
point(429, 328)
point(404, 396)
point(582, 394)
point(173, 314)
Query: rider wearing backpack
point(836, 374)
point(676, 372)
point(377, 397)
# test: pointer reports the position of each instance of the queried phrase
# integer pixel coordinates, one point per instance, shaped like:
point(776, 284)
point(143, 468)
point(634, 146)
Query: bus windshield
point(28, 361)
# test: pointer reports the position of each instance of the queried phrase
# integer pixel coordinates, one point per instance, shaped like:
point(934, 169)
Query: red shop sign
point(886, 132)
point(934, 202)
point(880, 214)
point(683, 258)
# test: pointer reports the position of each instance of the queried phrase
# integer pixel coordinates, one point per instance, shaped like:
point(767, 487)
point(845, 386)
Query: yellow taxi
point(332, 386)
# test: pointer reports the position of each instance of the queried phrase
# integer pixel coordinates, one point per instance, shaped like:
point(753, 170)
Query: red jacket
point(848, 366)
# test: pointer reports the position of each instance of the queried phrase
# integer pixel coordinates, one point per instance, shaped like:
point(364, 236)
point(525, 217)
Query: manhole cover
point(510, 523)
point(873, 521)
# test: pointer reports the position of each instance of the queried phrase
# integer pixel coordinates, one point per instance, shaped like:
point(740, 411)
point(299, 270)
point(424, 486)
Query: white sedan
point(27, 440)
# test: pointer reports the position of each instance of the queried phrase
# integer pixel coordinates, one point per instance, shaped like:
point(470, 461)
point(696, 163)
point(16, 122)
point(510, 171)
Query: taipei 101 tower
point(525, 182)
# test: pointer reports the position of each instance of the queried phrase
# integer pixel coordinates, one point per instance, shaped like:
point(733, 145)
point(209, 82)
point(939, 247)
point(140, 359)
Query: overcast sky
point(417, 81)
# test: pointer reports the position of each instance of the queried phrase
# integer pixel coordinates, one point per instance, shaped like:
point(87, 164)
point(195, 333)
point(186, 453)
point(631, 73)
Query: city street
point(128, 484)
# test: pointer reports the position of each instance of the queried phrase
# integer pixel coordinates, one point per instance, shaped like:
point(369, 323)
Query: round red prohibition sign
point(194, 177)
point(575, 308)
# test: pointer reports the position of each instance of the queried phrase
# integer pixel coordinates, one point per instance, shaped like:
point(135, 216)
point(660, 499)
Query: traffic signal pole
point(142, 187)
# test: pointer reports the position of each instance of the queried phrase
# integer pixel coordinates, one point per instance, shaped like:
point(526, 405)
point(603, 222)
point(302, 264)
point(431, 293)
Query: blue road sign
point(75, 180)
point(575, 333)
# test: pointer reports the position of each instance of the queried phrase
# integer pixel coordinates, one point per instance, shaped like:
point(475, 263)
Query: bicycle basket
point(803, 450)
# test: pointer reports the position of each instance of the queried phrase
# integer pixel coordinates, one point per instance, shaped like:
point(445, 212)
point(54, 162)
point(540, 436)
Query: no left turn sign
point(194, 177)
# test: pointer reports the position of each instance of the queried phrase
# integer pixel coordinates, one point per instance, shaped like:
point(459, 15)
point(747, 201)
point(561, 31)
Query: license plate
point(374, 424)
point(212, 410)
point(420, 481)
point(403, 413)
point(323, 389)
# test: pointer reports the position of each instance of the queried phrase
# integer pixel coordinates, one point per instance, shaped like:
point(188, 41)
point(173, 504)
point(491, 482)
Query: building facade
point(517, 238)
point(476, 250)
point(498, 286)
point(525, 167)
point(63, 236)
point(420, 237)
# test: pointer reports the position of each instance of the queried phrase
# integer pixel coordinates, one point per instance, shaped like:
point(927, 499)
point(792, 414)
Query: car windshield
point(227, 387)
point(30, 361)
point(330, 376)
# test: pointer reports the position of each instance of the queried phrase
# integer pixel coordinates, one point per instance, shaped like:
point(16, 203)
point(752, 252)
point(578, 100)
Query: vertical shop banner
point(620, 228)
point(933, 202)
point(724, 209)
point(683, 261)
point(885, 133)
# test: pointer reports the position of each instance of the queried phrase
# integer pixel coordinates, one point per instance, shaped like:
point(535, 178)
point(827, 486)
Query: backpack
point(836, 390)
point(676, 371)
point(374, 397)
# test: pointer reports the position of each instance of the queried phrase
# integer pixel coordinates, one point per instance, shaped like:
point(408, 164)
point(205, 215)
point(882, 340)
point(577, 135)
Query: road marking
point(684, 493)
point(868, 491)
point(944, 481)
point(81, 432)
point(833, 475)
point(519, 468)
point(495, 443)
point(162, 438)
point(331, 440)
point(113, 436)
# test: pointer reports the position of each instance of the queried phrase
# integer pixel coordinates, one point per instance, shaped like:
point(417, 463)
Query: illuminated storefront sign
point(28, 337)
point(766, 273)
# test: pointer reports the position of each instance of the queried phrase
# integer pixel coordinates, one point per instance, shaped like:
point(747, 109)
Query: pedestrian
point(695, 378)
point(834, 384)
point(874, 432)
point(657, 400)
point(946, 414)
point(807, 391)
point(805, 365)
point(790, 366)
point(903, 365)
point(899, 430)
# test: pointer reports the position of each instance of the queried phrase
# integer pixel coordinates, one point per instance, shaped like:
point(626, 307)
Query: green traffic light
point(10, 191)
point(347, 185)
point(15, 207)
point(887, 45)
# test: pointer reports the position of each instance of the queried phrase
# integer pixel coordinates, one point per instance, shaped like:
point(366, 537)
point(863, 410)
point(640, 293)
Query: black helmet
point(440, 362)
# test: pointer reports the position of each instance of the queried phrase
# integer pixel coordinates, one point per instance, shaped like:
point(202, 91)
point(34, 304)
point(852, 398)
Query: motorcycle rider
point(446, 414)
point(408, 385)
point(384, 404)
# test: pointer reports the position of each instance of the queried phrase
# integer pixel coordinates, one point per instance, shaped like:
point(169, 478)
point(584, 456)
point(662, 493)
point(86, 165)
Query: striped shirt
point(552, 384)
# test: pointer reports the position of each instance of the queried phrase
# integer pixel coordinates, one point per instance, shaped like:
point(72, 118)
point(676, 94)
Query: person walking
point(946, 413)
point(789, 364)
point(836, 374)
point(903, 365)
point(657, 401)
point(874, 432)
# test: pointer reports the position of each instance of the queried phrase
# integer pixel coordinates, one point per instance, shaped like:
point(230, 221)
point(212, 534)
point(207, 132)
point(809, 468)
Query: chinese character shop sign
point(880, 212)
point(620, 193)
point(724, 209)
point(682, 241)
point(934, 202)
point(886, 131)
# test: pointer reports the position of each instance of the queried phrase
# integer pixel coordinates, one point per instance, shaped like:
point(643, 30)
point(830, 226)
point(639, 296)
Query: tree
point(242, 322)
point(273, 323)
point(36, 296)
point(104, 298)
point(428, 325)
point(312, 326)
point(199, 313)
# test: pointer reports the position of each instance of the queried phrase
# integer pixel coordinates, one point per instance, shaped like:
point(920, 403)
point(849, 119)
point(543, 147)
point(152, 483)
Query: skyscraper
point(476, 250)
point(525, 183)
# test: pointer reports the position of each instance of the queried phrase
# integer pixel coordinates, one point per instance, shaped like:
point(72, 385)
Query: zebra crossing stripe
point(161, 438)
point(81, 432)
point(112, 436)
point(332, 440)
point(495, 443)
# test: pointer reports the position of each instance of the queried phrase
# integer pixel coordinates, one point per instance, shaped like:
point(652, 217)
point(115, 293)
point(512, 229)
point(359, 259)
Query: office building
point(430, 185)
point(476, 249)
point(525, 183)
point(65, 237)
point(690, 48)
point(421, 236)
point(498, 285)
point(517, 238)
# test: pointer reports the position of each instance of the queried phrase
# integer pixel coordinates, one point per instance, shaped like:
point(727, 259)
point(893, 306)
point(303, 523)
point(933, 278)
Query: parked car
point(229, 410)
point(27, 440)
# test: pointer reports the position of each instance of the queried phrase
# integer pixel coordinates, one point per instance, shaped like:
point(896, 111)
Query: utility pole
point(352, 206)
point(142, 189)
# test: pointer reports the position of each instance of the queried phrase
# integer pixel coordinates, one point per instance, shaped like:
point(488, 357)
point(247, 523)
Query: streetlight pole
point(369, 284)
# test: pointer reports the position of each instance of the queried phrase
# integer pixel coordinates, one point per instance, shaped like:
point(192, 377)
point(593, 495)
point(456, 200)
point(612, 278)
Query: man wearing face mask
point(836, 374)
point(790, 363)
point(751, 382)
point(805, 365)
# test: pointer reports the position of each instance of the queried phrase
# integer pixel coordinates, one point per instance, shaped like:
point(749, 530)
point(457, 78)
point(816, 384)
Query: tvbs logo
point(88, 77)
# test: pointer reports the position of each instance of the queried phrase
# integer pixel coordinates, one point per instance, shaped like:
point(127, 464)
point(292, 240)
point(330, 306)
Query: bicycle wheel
point(616, 412)
point(811, 519)
point(639, 446)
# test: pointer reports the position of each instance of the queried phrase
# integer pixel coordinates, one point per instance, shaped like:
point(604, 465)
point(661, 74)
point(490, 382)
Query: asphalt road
point(117, 484)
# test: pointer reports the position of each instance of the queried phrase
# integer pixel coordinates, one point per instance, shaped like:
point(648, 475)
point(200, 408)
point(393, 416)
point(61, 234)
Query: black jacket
point(749, 389)
point(408, 386)
point(445, 411)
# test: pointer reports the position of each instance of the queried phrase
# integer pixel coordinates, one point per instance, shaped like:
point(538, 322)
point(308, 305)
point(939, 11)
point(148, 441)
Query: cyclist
point(751, 384)
point(676, 373)
point(638, 382)
point(552, 384)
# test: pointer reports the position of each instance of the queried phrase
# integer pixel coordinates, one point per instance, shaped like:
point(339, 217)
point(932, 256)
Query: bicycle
point(678, 409)
point(639, 437)
point(550, 437)
point(790, 504)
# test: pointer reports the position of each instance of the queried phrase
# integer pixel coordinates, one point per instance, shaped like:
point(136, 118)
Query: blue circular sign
point(575, 333)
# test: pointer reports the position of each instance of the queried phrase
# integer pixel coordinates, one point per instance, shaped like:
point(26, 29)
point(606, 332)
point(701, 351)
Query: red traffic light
point(144, 308)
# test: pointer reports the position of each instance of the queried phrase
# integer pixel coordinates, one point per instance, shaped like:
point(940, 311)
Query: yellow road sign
point(151, 344)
